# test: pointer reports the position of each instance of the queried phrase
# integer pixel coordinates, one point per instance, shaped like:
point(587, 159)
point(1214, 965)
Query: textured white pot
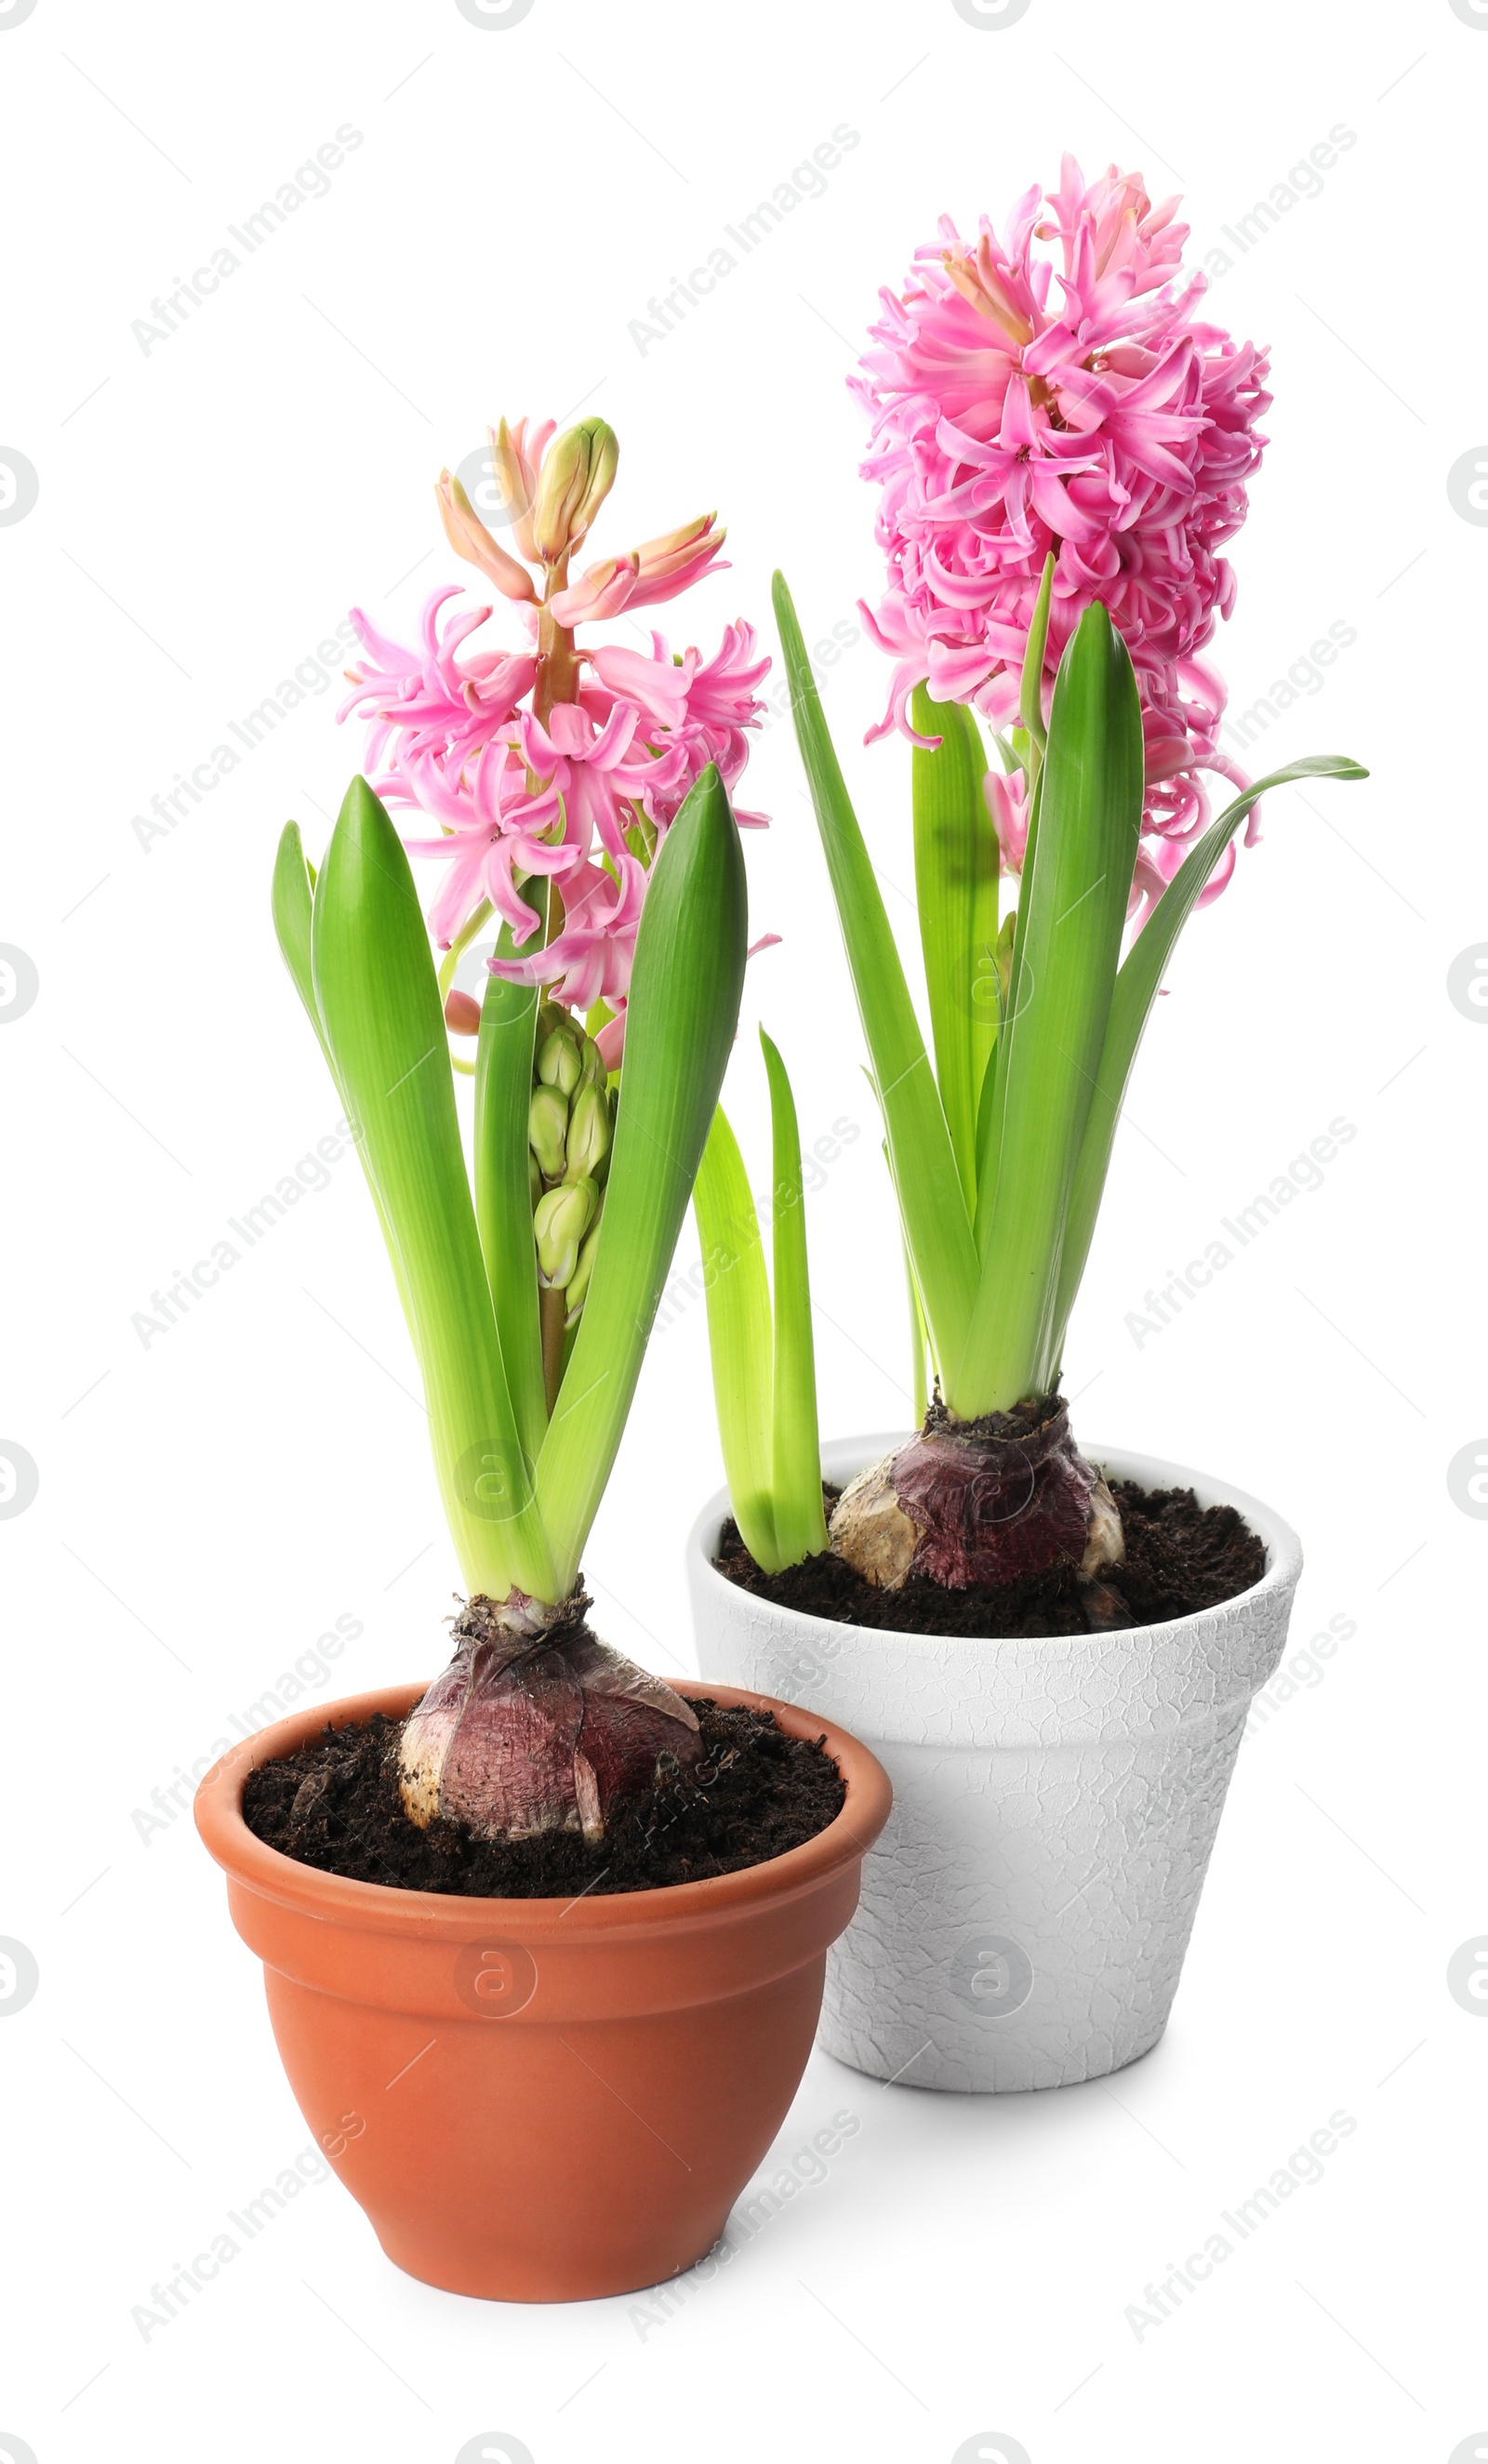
point(1025, 1915)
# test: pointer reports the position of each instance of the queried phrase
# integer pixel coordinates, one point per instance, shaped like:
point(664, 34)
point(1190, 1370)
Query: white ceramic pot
point(1024, 1916)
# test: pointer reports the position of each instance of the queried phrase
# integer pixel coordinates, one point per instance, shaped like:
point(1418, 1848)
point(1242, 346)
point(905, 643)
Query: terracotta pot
point(1024, 1916)
point(543, 2099)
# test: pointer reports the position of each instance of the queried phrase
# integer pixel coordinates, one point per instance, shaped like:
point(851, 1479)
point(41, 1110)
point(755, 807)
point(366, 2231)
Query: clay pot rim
point(843, 1457)
point(382, 1908)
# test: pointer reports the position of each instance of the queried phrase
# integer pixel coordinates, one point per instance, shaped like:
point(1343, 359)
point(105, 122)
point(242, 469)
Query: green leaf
point(292, 904)
point(933, 1205)
point(1010, 949)
point(1031, 695)
point(378, 998)
point(956, 884)
point(800, 1523)
point(1136, 988)
point(1073, 909)
point(740, 1338)
point(918, 1343)
point(683, 1007)
point(503, 1194)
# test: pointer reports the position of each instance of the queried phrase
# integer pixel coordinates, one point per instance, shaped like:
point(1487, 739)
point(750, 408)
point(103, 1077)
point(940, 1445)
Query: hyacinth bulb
point(980, 1502)
point(537, 1725)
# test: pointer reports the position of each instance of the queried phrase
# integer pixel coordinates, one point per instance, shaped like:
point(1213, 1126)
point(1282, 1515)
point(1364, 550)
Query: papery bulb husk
point(986, 1501)
point(538, 1725)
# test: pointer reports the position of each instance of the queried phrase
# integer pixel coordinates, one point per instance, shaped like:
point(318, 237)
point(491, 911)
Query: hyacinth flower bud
point(577, 474)
point(590, 1134)
point(560, 1222)
point(461, 1013)
point(469, 537)
point(547, 1129)
point(560, 1060)
point(577, 1293)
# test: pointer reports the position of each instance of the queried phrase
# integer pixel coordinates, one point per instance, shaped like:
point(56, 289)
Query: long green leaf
point(503, 1194)
point(995, 1085)
point(292, 904)
point(1075, 908)
point(684, 1006)
point(956, 883)
point(1031, 692)
point(378, 998)
point(800, 1522)
point(740, 1339)
point(1136, 988)
point(936, 1222)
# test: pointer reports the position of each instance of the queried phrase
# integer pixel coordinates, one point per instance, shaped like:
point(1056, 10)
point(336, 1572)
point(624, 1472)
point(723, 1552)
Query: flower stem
point(552, 1312)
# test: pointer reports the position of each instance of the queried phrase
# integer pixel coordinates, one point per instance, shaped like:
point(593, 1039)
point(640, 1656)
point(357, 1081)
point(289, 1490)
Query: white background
point(209, 1503)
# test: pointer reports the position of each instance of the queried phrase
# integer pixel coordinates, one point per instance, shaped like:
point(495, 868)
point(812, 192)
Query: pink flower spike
point(582, 796)
point(1053, 390)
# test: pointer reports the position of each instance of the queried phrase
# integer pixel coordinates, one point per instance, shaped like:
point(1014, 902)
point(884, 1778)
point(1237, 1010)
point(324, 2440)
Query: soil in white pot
point(1179, 1557)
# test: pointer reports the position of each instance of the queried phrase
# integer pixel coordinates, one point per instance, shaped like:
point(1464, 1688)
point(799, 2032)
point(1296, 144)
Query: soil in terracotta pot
point(336, 1804)
point(1180, 1556)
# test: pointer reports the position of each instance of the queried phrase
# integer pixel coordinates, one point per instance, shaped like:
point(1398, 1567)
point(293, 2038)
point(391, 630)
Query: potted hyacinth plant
point(1054, 1652)
point(543, 1940)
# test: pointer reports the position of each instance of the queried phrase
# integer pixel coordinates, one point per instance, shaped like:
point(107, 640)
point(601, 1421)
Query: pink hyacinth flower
point(580, 795)
point(1053, 390)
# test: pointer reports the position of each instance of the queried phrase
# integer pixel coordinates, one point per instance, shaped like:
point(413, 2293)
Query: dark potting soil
point(1180, 1556)
point(335, 1804)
